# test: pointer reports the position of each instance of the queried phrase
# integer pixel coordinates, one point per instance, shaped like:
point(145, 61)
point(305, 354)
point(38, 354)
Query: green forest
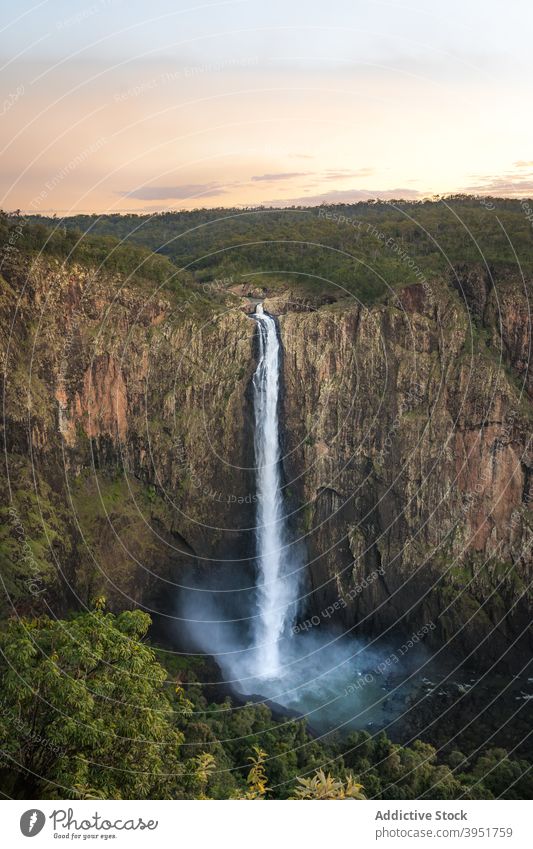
point(364, 250)
point(90, 711)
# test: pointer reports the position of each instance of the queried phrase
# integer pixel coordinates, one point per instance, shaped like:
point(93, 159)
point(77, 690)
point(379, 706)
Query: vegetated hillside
point(109, 380)
point(361, 249)
point(110, 722)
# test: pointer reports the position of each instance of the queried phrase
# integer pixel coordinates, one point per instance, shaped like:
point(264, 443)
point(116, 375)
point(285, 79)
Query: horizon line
point(67, 213)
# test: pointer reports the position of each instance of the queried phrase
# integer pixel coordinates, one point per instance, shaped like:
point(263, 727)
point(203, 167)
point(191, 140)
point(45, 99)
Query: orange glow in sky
point(108, 106)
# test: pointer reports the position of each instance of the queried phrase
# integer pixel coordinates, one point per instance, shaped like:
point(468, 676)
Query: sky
point(123, 105)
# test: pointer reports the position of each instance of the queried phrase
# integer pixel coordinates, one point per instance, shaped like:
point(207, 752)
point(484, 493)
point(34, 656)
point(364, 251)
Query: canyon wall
point(406, 448)
point(408, 430)
point(127, 429)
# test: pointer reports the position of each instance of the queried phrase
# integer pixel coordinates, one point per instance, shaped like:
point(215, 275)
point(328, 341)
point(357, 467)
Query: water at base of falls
point(310, 673)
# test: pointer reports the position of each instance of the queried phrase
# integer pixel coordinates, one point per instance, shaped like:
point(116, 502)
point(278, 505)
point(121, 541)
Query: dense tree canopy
point(87, 711)
point(363, 249)
point(84, 709)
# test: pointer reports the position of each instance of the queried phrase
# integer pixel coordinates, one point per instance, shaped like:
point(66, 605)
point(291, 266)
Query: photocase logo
point(32, 822)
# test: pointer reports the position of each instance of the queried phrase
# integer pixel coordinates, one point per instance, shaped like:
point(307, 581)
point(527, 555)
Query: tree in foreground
point(84, 712)
point(322, 786)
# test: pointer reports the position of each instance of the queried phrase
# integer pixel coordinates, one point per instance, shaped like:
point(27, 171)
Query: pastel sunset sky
point(123, 105)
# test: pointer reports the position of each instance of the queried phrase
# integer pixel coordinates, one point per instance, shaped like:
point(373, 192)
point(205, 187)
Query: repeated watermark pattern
point(341, 603)
point(391, 244)
point(85, 334)
point(182, 74)
point(390, 662)
point(35, 583)
point(11, 99)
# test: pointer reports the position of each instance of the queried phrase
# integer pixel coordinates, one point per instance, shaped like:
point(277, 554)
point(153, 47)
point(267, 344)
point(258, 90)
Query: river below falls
point(339, 684)
point(353, 687)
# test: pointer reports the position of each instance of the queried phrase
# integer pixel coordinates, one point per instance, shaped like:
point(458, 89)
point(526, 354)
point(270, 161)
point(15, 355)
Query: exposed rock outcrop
point(114, 382)
point(409, 447)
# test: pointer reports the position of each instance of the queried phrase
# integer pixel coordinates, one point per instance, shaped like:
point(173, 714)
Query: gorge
point(312, 672)
point(406, 473)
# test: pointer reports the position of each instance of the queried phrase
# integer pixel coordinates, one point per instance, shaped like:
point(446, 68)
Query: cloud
point(188, 190)
point(504, 186)
point(331, 174)
point(346, 173)
point(348, 196)
point(282, 175)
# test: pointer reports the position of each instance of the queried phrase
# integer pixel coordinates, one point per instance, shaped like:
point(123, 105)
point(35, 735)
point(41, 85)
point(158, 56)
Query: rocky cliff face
point(135, 410)
point(408, 445)
point(406, 427)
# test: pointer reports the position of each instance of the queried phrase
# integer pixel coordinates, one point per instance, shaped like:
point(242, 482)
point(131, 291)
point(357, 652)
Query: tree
point(84, 711)
point(322, 786)
point(257, 777)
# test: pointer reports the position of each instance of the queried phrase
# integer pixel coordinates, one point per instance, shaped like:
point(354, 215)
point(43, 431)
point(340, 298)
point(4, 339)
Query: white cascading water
point(308, 670)
point(270, 531)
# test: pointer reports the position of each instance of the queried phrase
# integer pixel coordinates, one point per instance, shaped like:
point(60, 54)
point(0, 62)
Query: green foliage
point(22, 239)
point(365, 250)
point(20, 236)
point(504, 777)
point(87, 711)
point(361, 249)
point(322, 786)
point(204, 767)
point(84, 711)
point(390, 771)
point(257, 777)
point(33, 538)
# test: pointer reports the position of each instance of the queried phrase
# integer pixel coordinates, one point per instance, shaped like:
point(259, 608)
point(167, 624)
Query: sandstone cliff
point(407, 455)
point(408, 450)
point(126, 415)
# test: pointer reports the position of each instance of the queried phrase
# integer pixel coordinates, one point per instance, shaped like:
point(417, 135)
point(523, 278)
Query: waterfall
point(308, 670)
point(270, 527)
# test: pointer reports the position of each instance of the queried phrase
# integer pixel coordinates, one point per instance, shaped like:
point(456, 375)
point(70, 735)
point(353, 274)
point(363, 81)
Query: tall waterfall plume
point(271, 536)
